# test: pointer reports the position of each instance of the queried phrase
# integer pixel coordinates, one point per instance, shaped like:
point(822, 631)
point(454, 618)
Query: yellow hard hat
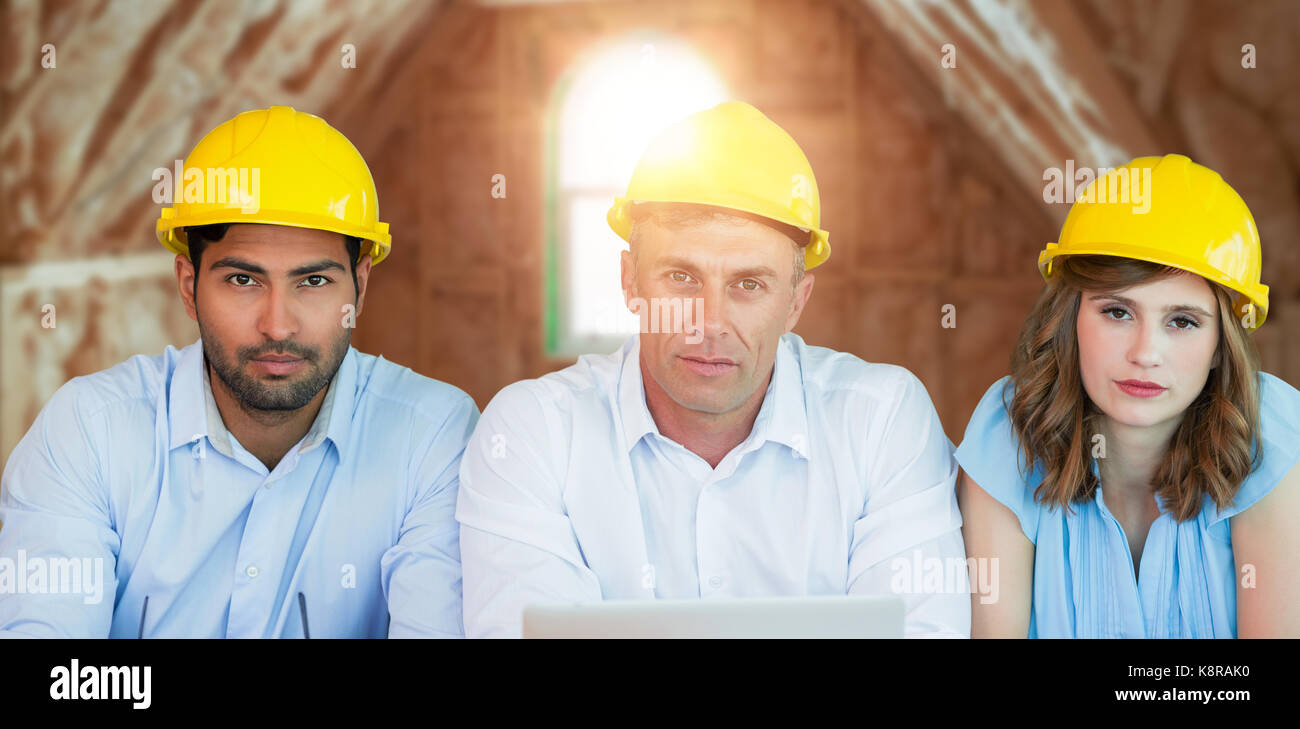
point(277, 166)
point(1190, 219)
point(730, 156)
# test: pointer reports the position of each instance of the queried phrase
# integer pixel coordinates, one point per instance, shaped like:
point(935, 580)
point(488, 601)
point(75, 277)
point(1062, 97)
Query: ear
point(802, 292)
point(185, 277)
point(363, 278)
point(1218, 358)
point(627, 276)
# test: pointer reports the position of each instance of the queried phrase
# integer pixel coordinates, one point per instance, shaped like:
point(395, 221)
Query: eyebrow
point(325, 264)
point(757, 272)
point(752, 272)
point(1171, 309)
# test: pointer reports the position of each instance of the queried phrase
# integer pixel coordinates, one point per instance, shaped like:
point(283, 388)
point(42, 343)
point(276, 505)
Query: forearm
point(503, 576)
point(932, 581)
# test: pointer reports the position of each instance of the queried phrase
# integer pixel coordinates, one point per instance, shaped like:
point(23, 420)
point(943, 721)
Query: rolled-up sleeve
point(518, 545)
point(422, 572)
point(908, 539)
point(57, 540)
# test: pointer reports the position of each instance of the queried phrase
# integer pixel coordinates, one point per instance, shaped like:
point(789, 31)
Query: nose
point(1146, 348)
point(277, 319)
point(714, 317)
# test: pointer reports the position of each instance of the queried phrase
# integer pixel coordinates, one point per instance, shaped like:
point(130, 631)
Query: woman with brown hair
point(1136, 475)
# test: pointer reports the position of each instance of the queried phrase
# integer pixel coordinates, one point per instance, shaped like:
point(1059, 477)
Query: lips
point(709, 366)
point(1140, 388)
point(278, 364)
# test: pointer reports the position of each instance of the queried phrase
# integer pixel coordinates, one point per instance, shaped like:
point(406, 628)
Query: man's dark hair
point(199, 236)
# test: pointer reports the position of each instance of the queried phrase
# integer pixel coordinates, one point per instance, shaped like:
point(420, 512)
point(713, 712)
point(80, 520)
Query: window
point(604, 114)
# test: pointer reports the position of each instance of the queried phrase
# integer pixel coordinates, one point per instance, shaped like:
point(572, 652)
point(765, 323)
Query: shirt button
point(251, 571)
point(269, 484)
point(715, 581)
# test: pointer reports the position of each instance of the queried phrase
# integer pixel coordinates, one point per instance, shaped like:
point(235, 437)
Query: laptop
point(827, 616)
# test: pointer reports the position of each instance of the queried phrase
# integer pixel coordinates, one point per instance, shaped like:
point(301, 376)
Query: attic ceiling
point(136, 82)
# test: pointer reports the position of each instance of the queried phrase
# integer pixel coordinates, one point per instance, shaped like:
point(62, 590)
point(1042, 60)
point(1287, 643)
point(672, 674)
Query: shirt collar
point(215, 426)
point(782, 418)
point(637, 421)
point(786, 421)
point(186, 414)
point(193, 413)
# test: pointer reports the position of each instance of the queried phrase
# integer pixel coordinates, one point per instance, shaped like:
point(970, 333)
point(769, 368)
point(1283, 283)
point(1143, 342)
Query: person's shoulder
point(989, 429)
point(991, 456)
point(1279, 414)
point(396, 387)
point(992, 407)
point(591, 381)
point(1279, 446)
point(138, 379)
point(834, 375)
point(114, 407)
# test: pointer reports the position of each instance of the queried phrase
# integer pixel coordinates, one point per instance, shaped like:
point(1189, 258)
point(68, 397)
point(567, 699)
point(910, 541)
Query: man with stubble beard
point(267, 480)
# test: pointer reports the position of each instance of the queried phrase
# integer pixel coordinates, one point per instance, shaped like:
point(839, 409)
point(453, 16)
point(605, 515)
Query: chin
point(700, 405)
point(701, 401)
point(1140, 416)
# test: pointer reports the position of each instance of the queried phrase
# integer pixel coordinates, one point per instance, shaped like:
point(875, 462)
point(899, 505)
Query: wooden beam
point(1028, 79)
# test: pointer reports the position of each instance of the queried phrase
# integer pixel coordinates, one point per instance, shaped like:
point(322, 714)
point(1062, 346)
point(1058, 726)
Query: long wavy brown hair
point(1214, 447)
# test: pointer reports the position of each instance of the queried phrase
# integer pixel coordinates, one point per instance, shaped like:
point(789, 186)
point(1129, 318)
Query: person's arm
point(910, 521)
point(944, 613)
point(1265, 543)
point(1000, 549)
point(421, 573)
point(55, 516)
point(517, 544)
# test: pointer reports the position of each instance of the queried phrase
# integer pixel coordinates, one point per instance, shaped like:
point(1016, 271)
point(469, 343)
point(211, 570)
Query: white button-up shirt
point(845, 485)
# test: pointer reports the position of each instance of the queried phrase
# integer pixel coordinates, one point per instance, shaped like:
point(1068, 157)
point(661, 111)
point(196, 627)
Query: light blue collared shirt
point(569, 493)
point(129, 486)
point(1084, 584)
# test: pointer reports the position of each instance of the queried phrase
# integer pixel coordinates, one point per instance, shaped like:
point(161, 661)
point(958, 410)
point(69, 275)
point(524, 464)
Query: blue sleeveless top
point(1084, 585)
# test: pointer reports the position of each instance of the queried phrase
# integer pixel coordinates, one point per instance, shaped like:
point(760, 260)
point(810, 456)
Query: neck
point(267, 434)
point(710, 436)
point(1133, 455)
